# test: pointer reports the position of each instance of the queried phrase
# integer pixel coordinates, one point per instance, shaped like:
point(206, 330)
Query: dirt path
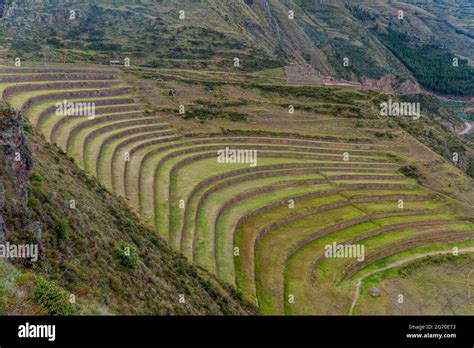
point(398, 263)
point(467, 129)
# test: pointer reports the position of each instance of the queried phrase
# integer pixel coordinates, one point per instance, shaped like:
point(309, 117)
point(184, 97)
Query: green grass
point(5, 85)
point(18, 99)
point(298, 276)
point(33, 112)
point(46, 124)
point(210, 241)
point(77, 139)
point(63, 132)
point(227, 235)
point(421, 249)
point(424, 275)
point(92, 147)
point(106, 165)
point(272, 249)
point(160, 218)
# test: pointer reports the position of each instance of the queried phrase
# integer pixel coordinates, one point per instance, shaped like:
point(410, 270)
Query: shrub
point(52, 298)
point(126, 255)
point(61, 228)
point(39, 193)
point(36, 177)
point(27, 128)
point(33, 202)
point(410, 171)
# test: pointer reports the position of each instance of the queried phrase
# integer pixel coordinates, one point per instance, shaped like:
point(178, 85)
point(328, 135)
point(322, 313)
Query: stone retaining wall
point(104, 111)
point(395, 248)
point(97, 121)
point(119, 135)
point(39, 70)
point(75, 95)
point(7, 92)
point(54, 77)
point(123, 125)
point(273, 139)
point(373, 233)
point(99, 102)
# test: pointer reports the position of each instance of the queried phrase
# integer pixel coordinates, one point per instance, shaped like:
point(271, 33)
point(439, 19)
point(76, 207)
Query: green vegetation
point(54, 299)
point(410, 171)
point(85, 249)
point(61, 228)
point(203, 114)
point(126, 255)
point(431, 66)
point(331, 171)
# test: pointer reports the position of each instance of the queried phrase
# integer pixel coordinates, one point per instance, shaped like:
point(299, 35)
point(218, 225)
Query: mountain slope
point(262, 34)
point(354, 174)
point(97, 251)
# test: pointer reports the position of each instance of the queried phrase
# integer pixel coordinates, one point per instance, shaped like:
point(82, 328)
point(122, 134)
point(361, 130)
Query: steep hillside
point(220, 147)
point(90, 244)
point(353, 40)
point(242, 185)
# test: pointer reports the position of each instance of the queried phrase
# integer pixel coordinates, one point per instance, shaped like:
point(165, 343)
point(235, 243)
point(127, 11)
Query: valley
point(258, 228)
point(198, 158)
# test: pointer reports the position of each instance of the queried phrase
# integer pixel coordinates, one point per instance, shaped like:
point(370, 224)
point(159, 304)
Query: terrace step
point(54, 77)
point(407, 244)
point(229, 206)
point(9, 91)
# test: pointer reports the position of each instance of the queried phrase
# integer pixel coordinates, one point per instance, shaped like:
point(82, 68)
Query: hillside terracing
point(257, 210)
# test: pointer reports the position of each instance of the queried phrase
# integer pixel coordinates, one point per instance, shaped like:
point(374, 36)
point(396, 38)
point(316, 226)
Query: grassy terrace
point(263, 228)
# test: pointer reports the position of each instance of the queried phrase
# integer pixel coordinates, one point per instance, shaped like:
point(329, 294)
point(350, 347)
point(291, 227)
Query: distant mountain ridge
point(351, 40)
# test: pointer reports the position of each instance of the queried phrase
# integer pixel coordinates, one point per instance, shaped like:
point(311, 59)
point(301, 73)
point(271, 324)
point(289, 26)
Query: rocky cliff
point(16, 164)
point(81, 248)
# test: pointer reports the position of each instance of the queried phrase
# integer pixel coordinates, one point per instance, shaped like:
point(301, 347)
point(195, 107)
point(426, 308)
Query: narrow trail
point(467, 129)
point(398, 263)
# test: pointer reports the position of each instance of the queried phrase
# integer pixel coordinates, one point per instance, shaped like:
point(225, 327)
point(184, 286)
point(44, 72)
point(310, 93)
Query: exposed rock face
point(16, 150)
point(391, 84)
point(302, 73)
point(16, 163)
point(3, 227)
point(23, 9)
point(9, 11)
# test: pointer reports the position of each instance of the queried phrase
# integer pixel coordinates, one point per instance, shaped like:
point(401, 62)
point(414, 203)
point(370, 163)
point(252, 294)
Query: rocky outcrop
point(9, 10)
point(3, 227)
point(22, 10)
point(16, 162)
point(392, 84)
point(16, 150)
